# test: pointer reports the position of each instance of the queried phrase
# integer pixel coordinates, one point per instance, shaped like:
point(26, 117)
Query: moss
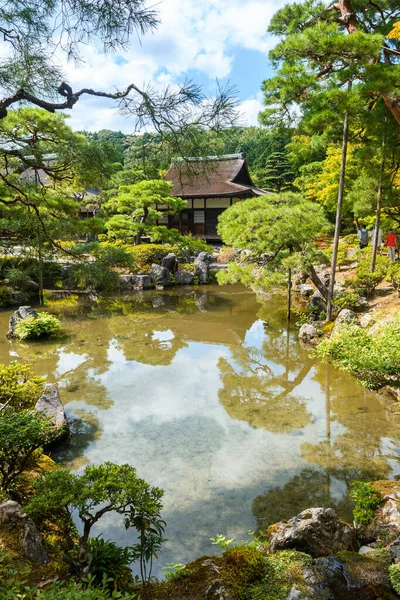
point(242, 568)
point(385, 487)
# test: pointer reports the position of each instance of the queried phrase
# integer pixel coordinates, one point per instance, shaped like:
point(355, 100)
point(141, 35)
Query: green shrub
point(147, 254)
point(365, 282)
point(191, 245)
point(5, 297)
point(342, 255)
point(19, 387)
point(366, 500)
point(348, 299)
point(243, 566)
point(43, 325)
point(375, 360)
point(110, 561)
point(18, 279)
point(93, 276)
point(394, 576)
point(11, 589)
point(393, 274)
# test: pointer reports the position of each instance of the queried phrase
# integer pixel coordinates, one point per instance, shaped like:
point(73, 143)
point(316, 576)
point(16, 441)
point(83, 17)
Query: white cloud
point(249, 110)
point(196, 35)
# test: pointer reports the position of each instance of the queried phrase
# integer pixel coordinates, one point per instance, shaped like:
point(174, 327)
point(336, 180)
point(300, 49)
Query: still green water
point(209, 396)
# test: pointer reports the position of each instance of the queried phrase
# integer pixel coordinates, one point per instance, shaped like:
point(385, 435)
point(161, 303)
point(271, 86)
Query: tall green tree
point(276, 175)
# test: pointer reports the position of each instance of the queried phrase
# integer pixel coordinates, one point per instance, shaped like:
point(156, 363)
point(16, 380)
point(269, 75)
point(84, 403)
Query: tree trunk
point(323, 290)
point(338, 217)
point(138, 237)
point(378, 208)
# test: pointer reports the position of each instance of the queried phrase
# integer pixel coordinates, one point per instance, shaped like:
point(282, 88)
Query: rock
point(394, 549)
point(363, 302)
point(23, 312)
point(32, 544)
point(183, 277)
point(296, 594)
point(202, 270)
point(170, 262)
point(160, 275)
point(316, 531)
point(326, 278)
point(317, 304)
point(366, 320)
point(127, 283)
point(18, 298)
point(32, 287)
point(51, 406)
point(309, 334)
point(306, 290)
point(366, 550)
point(158, 301)
point(10, 512)
point(143, 282)
point(345, 317)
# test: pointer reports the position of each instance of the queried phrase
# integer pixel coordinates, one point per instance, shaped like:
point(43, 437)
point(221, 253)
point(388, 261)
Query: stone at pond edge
point(160, 275)
point(306, 290)
point(10, 511)
point(317, 304)
point(170, 262)
point(183, 277)
point(309, 334)
point(316, 531)
point(23, 312)
point(202, 270)
point(51, 406)
point(345, 317)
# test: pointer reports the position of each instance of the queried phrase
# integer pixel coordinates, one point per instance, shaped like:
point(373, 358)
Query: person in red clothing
point(391, 245)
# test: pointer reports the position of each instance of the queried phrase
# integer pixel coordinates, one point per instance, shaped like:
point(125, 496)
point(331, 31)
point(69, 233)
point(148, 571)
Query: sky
point(200, 40)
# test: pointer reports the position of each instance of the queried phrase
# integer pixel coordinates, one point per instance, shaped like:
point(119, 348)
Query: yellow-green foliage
point(243, 567)
point(35, 327)
point(394, 576)
point(5, 296)
point(19, 387)
point(190, 267)
point(147, 254)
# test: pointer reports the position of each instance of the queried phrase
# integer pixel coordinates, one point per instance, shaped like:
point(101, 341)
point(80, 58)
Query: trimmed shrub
point(365, 282)
point(393, 274)
point(43, 325)
point(19, 387)
point(5, 297)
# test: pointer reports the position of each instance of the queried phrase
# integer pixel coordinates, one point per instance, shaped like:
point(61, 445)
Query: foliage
point(394, 576)
point(365, 282)
point(5, 296)
point(21, 432)
point(374, 359)
point(348, 299)
point(99, 490)
point(134, 207)
point(43, 325)
point(93, 276)
point(151, 529)
point(366, 500)
point(276, 175)
point(174, 572)
point(243, 567)
point(221, 541)
point(19, 387)
point(107, 560)
point(393, 274)
point(18, 279)
point(147, 254)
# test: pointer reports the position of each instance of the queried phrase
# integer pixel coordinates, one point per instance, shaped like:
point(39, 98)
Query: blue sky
point(197, 39)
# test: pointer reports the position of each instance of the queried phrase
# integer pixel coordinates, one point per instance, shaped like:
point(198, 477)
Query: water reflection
point(210, 397)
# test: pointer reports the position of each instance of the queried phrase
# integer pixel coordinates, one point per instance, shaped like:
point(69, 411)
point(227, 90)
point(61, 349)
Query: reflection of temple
point(209, 186)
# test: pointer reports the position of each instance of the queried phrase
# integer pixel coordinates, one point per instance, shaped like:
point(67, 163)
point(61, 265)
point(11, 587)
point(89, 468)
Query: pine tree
point(277, 174)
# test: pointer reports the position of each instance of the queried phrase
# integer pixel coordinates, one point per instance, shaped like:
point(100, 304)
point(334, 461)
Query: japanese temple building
point(209, 186)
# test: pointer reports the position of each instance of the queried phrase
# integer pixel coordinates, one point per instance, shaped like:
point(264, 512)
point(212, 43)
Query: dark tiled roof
point(212, 177)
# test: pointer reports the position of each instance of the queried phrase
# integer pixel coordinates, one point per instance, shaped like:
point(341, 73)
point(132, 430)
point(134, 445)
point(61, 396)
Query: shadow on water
point(210, 397)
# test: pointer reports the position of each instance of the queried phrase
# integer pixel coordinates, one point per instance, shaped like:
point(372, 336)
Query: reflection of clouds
point(68, 361)
point(163, 336)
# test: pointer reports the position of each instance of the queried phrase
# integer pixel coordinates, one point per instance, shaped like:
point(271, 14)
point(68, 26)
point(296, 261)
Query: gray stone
point(366, 550)
point(143, 282)
point(10, 512)
point(127, 283)
point(317, 304)
point(183, 277)
point(204, 257)
point(309, 334)
point(18, 298)
point(33, 545)
point(296, 594)
point(202, 270)
point(394, 549)
point(316, 531)
point(170, 262)
point(366, 320)
point(23, 312)
point(160, 275)
point(345, 317)
point(326, 278)
point(50, 405)
point(306, 290)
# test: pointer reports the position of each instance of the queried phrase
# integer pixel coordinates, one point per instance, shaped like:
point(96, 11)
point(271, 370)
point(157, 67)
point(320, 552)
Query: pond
point(210, 397)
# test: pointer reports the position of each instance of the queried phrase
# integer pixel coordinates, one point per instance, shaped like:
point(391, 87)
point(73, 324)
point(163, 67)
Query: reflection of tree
point(308, 489)
point(252, 391)
point(85, 428)
point(357, 452)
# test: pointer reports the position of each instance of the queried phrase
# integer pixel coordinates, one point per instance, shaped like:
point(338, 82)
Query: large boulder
point(202, 270)
point(345, 317)
point(161, 275)
point(143, 282)
point(50, 405)
point(170, 262)
point(315, 531)
point(316, 304)
point(183, 277)
point(309, 334)
point(32, 544)
point(306, 290)
point(10, 512)
point(23, 312)
point(127, 283)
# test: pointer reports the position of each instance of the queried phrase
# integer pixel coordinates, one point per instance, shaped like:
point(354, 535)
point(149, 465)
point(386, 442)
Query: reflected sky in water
point(210, 397)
